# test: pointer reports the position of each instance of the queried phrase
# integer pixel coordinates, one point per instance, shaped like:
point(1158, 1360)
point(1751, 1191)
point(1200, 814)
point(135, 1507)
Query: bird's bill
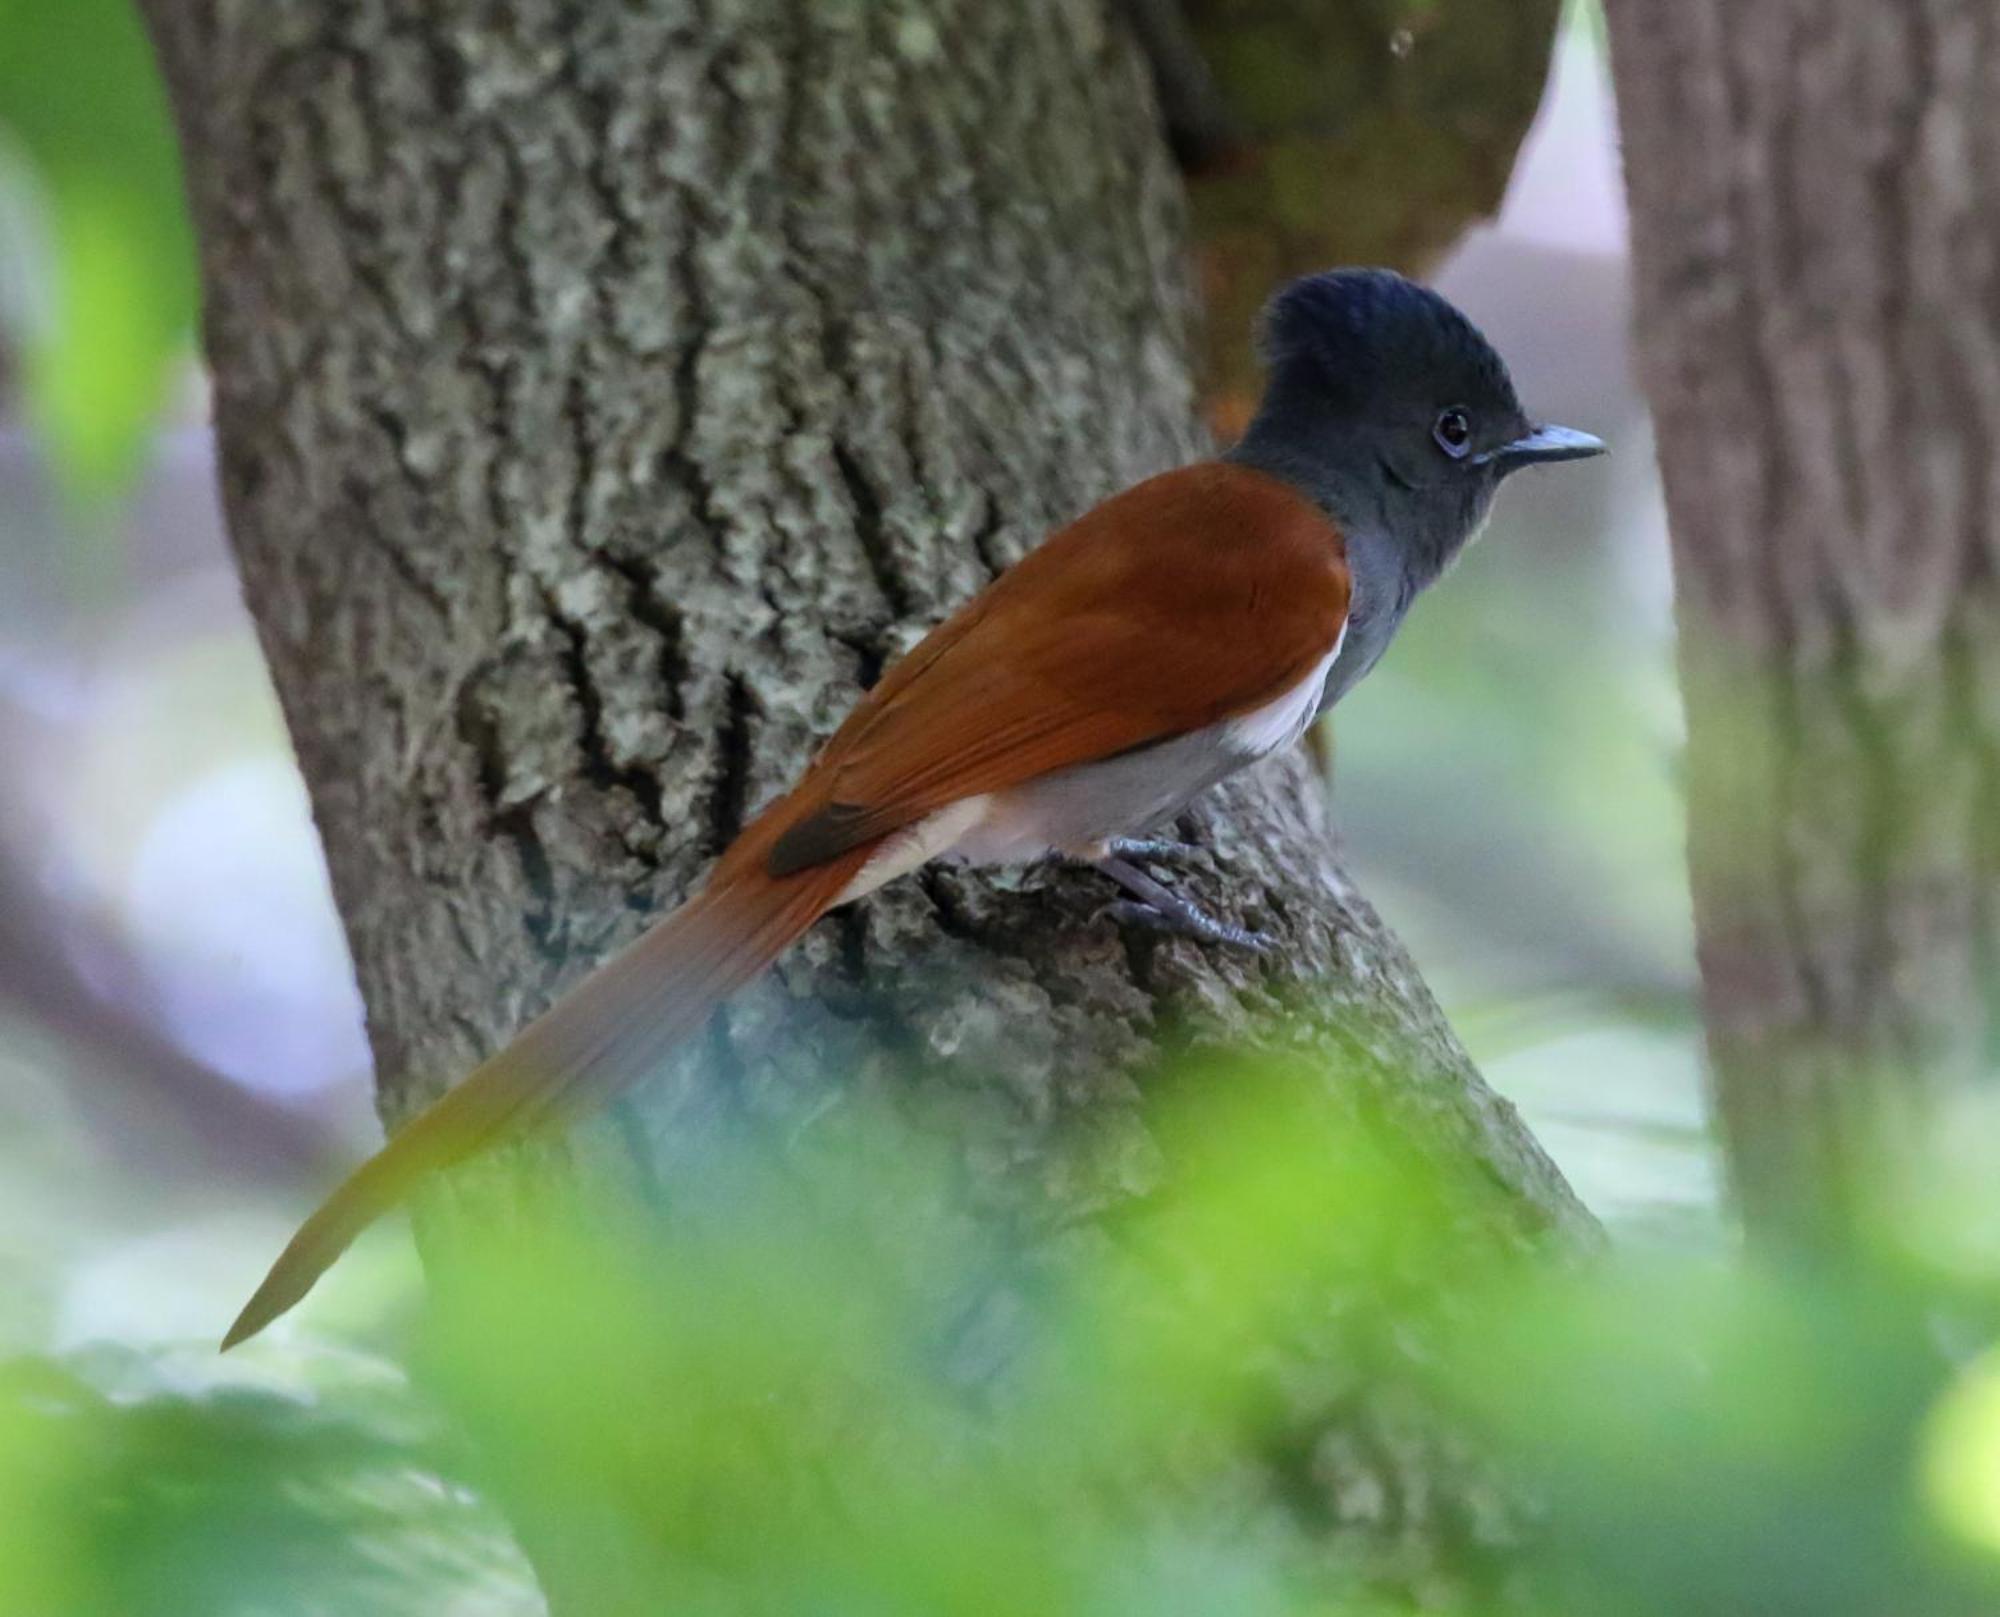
point(1546, 444)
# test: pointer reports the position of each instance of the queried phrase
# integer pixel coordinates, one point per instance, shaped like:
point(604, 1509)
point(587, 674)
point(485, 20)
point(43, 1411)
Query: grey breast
point(1383, 590)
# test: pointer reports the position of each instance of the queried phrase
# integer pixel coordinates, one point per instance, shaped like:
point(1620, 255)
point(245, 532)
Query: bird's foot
point(1187, 920)
point(1164, 850)
point(1159, 907)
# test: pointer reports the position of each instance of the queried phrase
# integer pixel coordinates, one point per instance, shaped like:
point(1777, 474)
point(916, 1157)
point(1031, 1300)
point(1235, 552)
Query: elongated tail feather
point(594, 1043)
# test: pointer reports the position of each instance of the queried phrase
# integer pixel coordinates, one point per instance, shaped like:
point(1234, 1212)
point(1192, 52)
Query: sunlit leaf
point(1962, 1455)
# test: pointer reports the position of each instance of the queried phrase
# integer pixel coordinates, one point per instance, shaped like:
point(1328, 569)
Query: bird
point(1168, 637)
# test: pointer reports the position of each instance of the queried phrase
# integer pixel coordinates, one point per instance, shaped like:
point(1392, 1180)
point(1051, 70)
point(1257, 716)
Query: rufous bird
point(1167, 638)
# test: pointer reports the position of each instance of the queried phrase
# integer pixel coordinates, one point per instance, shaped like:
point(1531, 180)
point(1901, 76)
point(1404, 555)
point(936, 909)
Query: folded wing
point(1192, 598)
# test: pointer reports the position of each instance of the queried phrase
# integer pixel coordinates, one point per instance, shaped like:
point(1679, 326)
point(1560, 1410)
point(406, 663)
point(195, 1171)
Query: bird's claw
point(1185, 920)
point(1149, 902)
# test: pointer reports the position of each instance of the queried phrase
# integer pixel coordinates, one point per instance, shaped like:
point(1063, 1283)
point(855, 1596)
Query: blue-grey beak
point(1545, 444)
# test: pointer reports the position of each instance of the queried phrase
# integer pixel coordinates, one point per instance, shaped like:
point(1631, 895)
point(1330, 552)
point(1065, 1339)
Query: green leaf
point(81, 100)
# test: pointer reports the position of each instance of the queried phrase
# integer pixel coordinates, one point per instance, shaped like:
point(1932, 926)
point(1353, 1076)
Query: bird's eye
point(1453, 432)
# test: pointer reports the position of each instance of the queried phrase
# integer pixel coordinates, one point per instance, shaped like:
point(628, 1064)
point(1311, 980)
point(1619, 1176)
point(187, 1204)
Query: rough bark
point(604, 394)
point(1814, 188)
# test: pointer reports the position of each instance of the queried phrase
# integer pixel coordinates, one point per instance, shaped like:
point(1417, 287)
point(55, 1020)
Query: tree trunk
point(1814, 188)
point(605, 393)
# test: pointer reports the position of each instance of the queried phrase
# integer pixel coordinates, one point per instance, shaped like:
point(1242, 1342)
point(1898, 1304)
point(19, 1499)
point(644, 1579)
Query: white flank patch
point(1280, 723)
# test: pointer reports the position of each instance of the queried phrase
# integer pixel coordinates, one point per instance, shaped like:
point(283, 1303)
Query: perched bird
point(1170, 636)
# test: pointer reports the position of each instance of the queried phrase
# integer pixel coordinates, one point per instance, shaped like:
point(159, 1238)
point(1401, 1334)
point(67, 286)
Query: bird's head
point(1389, 406)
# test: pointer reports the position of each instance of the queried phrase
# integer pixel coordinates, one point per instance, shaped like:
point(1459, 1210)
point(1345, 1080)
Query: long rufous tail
point(595, 1042)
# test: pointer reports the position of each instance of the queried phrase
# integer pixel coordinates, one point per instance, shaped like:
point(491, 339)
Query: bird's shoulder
point(1203, 537)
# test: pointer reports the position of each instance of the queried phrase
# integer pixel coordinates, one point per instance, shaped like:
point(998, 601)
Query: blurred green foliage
point(1756, 1444)
point(81, 101)
point(831, 1389)
point(827, 1386)
point(134, 1484)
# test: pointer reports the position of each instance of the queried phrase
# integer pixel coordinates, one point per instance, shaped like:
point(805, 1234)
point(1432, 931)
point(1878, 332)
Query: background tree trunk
point(1814, 187)
point(605, 393)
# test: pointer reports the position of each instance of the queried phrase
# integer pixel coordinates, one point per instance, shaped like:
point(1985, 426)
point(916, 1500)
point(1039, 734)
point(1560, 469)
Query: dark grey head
point(1388, 407)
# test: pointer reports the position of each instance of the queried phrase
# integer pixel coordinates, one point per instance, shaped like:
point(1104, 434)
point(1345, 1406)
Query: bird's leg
point(1161, 908)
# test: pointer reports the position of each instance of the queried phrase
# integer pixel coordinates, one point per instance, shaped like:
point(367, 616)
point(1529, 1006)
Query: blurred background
point(183, 1071)
point(182, 1063)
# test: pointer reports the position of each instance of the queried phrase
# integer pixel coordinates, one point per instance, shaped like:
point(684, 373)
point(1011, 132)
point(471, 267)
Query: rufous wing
point(1189, 599)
